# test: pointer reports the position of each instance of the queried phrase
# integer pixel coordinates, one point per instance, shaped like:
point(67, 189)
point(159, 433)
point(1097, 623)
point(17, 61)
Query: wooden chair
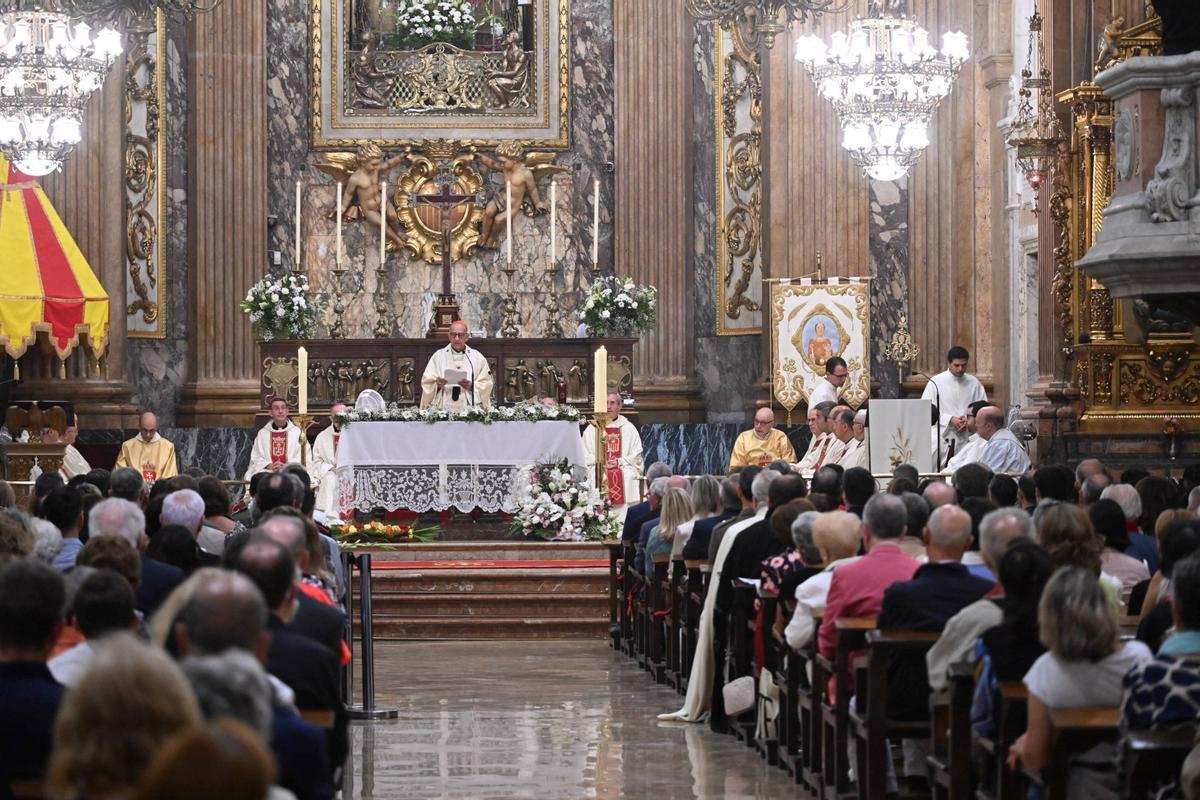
point(1073, 731)
point(950, 760)
point(1010, 720)
point(1152, 756)
point(870, 723)
point(835, 711)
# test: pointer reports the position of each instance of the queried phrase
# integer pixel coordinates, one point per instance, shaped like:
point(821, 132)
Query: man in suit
point(31, 601)
point(228, 612)
point(121, 518)
point(757, 543)
point(939, 589)
point(745, 488)
point(856, 589)
point(308, 668)
point(696, 548)
point(640, 513)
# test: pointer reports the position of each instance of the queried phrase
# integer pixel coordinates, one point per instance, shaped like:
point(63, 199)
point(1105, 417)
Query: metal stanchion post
point(348, 610)
point(368, 710)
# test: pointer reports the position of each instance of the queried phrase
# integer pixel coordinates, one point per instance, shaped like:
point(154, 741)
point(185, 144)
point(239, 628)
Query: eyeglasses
point(457, 335)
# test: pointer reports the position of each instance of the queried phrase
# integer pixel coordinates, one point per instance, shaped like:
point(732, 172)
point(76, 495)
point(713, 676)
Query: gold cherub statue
point(362, 173)
point(522, 171)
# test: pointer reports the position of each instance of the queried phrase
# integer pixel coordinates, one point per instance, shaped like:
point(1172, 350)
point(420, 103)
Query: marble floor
point(539, 719)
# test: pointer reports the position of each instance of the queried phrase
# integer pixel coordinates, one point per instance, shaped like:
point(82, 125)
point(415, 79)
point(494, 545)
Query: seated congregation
point(987, 636)
point(157, 642)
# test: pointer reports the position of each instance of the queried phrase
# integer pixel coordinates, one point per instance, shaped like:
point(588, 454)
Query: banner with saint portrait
point(814, 321)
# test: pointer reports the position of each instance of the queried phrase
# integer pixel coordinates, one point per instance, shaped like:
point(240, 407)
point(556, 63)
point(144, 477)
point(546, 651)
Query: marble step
point(467, 627)
point(492, 604)
point(493, 551)
point(544, 581)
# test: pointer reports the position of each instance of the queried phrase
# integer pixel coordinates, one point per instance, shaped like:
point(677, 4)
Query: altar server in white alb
point(277, 443)
point(456, 376)
point(955, 390)
point(828, 387)
point(322, 468)
point(623, 460)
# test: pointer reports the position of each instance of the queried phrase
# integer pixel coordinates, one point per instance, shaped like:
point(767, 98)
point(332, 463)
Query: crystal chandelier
point(885, 81)
point(1036, 134)
point(49, 67)
point(765, 15)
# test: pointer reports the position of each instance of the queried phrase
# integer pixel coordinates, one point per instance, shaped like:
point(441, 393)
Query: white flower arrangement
point(554, 504)
point(619, 307)
point(522, 412)
point(423, 22)
point(280, 307)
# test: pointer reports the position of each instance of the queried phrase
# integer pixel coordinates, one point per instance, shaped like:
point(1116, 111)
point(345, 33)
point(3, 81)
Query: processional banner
point(814, 321)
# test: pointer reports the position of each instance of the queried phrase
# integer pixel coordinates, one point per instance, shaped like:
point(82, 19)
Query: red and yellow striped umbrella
point(45, 282)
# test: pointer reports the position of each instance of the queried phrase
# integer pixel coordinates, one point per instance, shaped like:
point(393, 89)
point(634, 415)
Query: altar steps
point(493, 590)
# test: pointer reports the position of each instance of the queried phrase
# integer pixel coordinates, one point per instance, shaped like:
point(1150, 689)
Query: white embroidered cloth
point(434, 467)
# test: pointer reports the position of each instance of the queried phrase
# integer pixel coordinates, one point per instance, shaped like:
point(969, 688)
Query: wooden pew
point(657, 611)
point(787, 673)
point(741, 653)
point(616, 595)
point(769, 742)
point(673, 623)
point(871, 726)
point(638, 592)
point(1010, 711)
point(950, 757)
point(1073, 731)
point(835, 717)
point(1154, 756)
point(809, 702)
point(692, 605)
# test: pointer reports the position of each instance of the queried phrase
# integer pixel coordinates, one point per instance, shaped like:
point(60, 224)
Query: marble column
point(227, 189)
point(654, 209)
point(889, 242)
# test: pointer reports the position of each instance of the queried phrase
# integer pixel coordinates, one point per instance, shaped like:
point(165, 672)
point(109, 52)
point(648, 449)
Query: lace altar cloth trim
point(430, 487)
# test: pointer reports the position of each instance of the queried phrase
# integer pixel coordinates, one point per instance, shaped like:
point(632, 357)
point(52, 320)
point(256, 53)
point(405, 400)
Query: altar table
point(424, 466)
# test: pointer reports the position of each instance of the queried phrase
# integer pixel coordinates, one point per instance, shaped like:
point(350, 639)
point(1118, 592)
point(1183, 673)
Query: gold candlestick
point(303, 422)
point(600, 422)
point(509, 328)
point(383, 327)
point(553, 328)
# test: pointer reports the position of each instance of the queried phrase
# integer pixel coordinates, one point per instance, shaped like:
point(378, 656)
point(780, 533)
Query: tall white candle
point(600, 380)
point(508, 221)
point(553, 222)
point(382, 222)
point(302, 368)
point(338, 254)
point(596, 222)
point(298, 260)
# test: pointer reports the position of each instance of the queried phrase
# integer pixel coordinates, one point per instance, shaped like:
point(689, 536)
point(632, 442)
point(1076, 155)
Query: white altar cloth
point(425, 466)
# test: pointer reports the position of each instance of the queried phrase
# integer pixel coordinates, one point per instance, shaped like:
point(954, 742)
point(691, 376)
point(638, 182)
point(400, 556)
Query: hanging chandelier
point(769, 18)
point(885, 81)
point(1036, 135)
point(49, 66)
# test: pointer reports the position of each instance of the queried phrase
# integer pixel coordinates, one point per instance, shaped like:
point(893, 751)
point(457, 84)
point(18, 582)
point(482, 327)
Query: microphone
point(455, 392)
point(937, 390)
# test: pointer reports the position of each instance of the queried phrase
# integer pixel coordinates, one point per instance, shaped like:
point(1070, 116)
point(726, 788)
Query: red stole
point(612, 464)
point(824, 451)
point(279, 446)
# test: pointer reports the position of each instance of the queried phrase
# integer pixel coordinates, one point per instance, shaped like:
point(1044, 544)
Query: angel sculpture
point(523, 172)
point(362, 172)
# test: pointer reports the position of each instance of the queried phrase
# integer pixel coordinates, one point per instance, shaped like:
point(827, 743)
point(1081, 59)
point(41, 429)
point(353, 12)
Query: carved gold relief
point(1141, 385)
point(423, 223)
point(145, 177)
point(738, 76)
point(1102, 364)
point(280, 378)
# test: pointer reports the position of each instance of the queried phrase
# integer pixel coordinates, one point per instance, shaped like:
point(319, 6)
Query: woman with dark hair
point(217, 522)
point(1179, 541)
point(1007, 651)
point(1158, 494)
point(1109, 521)
point(174, 545)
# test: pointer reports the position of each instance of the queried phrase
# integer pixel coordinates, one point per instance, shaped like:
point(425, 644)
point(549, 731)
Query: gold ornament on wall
point(423, 223)
point(362, 173)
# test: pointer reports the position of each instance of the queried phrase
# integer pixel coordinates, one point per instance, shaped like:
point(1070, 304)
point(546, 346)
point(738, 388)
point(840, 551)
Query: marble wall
point(223, 452)
point(702, 448)
point(889, 275)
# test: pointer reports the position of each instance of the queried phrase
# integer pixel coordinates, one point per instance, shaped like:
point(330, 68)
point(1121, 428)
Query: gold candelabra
point(337, 328)
point(509, 328)
point(902, 349)
point(600, 422)
point(383, 326)
point(303, 422)
point(553, 317)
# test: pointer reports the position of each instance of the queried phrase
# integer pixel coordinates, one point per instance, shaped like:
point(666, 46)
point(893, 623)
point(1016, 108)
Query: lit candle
point(600, 380)
point(508, 221)
point(382, 222)
point(553, 221)
point(297, 226)
point(596, 222)
point(302, 368)
point(338, 254)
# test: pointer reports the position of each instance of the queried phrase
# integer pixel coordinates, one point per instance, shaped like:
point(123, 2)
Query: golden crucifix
point(902, 349)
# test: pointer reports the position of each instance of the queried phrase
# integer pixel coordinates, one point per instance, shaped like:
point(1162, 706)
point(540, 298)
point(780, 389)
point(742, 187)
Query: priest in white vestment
point(277, 443)
point(951, 392)
point(472, 378)
point(855, 453)
point(148, 452)
point(972, 449)
point(822, 440)
point(73, 462)
point(322, 468)
point(623, 461)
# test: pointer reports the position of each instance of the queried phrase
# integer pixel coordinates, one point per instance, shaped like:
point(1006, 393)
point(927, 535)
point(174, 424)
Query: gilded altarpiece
point(1134, 364)
point(739, 97)
point(368, 86)
point(145, 190)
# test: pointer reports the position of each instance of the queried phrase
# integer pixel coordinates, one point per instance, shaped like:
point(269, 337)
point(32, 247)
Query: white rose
point(605, 314)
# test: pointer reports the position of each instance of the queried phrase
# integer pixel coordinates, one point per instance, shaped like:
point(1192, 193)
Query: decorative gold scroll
point(145, 181)
point(738, 90)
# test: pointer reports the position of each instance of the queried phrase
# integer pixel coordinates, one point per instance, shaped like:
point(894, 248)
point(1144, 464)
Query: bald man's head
point(940, 493)
point(949, 534)
point(147, 426)
point(226, 611)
